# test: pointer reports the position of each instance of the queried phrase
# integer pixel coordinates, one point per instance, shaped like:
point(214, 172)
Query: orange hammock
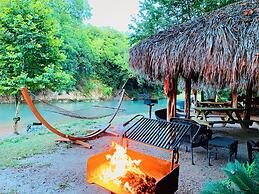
point(74, 139)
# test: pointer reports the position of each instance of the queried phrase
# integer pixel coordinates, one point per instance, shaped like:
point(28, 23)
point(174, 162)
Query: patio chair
point(197, 136)
point(161, 114)
point(252, 149)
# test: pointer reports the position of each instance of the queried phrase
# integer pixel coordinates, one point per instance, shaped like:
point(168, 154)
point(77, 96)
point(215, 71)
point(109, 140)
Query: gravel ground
point(65, 170)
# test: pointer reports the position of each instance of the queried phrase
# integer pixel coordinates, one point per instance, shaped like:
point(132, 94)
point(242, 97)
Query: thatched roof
point(219, 48)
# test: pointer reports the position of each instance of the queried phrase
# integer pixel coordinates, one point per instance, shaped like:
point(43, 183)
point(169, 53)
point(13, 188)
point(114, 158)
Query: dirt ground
point(64, 171)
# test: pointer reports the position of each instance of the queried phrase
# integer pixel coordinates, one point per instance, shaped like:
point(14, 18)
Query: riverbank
point(74, 96)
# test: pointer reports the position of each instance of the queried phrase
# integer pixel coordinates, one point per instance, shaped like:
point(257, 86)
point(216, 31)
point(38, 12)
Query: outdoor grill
point(160, 134)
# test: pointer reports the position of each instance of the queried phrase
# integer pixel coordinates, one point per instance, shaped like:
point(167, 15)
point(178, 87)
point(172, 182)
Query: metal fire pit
point(161, 134)
point(167, 179)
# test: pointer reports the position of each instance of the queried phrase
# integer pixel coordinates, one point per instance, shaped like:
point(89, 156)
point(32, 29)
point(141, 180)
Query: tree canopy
point(70, 16)
point(29, 48)
point(111, 51)
point(157, 15)
point(46, 44)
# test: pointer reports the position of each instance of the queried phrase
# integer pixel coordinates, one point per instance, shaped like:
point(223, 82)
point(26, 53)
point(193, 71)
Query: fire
point(121, 166)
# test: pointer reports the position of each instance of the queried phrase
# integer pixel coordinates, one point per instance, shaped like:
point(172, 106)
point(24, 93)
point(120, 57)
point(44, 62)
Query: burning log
point(139, 184)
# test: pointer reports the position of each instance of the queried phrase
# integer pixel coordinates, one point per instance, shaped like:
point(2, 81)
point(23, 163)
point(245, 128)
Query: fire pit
point(122, 170)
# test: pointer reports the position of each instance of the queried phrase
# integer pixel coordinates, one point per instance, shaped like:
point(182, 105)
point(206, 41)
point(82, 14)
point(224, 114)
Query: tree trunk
point(188, 84)
point(234, 97)
point(16, 118)
point(249, 93)
point(171, 101)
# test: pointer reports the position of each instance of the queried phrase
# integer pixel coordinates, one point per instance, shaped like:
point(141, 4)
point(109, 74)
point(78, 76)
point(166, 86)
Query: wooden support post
point(194, 92)
point(249, 91)
point(171, 101)
point(202, 95)
point(16, 118)
point(188, 84)
point(169, 104)
point(234, 97)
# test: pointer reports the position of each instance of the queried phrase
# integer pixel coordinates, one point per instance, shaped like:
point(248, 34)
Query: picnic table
point(224, 113)
point(214, 104)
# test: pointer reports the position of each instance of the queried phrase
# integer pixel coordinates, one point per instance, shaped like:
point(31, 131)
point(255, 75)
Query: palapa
point(220, 48)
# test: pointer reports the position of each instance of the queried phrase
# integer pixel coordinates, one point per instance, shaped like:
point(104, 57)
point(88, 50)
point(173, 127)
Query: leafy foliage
point(242, 178)
point(70, 10)
point(76, 46)
point(157, 15)
point(111, 51)
point(29, 49)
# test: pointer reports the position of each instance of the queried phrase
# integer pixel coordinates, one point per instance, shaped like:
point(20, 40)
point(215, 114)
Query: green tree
point(70, 10)
point(29, 49)
point(157, 15)
point(80, 55)
point(111, 49)
point(76, 45)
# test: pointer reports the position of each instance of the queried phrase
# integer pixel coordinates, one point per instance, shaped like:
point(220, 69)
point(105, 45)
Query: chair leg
point(192, 155)
point(209, 154)
point(230, 154)
point(236, 152)
point(249, 150)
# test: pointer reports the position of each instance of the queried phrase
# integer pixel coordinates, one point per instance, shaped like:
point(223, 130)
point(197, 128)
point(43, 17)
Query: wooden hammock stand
point(70, 138)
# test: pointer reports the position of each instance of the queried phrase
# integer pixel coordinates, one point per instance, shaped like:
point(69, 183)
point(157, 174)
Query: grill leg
point(175, 158)
point(150, 111)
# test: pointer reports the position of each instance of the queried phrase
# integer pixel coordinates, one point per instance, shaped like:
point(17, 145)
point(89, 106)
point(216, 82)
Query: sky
point(113, 13)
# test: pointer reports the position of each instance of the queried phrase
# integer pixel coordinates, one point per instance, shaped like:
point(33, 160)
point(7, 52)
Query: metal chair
point(197, 136)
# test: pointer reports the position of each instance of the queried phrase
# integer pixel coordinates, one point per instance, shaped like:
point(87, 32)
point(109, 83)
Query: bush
point(241, 178)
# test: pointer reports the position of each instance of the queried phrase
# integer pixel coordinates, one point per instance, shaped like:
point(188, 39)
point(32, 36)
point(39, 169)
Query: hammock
point(75, 139)
point(73, 114)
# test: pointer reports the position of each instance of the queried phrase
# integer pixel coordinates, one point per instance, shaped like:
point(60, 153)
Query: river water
point(7, 112)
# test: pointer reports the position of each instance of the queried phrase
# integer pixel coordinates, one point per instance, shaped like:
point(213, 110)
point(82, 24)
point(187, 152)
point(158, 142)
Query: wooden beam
point(171, 101)
point(188, 84)
point(84, 144)
point(234, 97)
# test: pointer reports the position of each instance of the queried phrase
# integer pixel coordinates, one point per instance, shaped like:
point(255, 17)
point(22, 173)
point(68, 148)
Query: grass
point(13, 191)
point(16, 148)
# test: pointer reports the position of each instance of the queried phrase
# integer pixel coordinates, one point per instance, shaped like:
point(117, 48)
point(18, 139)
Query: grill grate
point(166, 135)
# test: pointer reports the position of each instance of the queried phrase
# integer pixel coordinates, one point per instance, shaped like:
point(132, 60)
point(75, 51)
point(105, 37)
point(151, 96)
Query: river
point(7, 112)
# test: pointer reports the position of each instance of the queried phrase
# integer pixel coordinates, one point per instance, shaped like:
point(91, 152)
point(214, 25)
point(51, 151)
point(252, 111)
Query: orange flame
point(119, 164)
